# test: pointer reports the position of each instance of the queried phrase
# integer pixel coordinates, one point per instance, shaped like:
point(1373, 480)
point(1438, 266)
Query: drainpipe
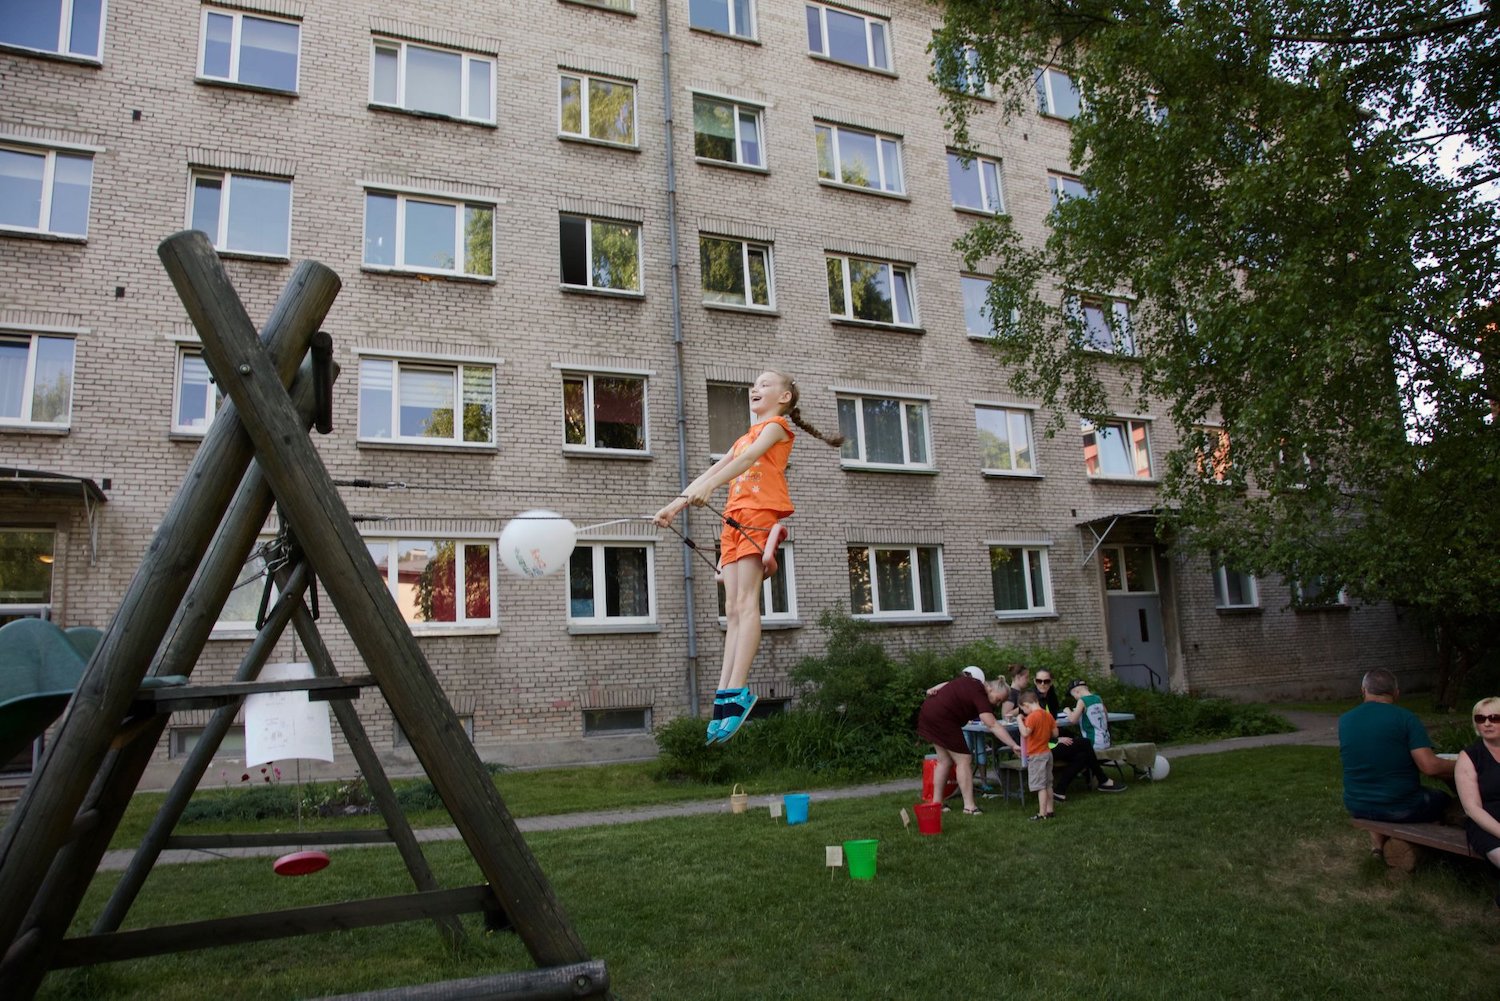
point(676, 266)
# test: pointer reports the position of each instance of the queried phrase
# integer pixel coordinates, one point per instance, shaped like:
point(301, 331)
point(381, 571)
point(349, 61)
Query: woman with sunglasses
point(1477, 776)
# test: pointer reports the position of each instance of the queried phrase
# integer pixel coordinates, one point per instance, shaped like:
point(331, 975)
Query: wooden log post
point(328, 536)
point(42, 820)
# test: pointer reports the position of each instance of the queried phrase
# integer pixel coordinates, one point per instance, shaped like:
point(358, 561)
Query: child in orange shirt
point(755, 470)
point(1038, 728)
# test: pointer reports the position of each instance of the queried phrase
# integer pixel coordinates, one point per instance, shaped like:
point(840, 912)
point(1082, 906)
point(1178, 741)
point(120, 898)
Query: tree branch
point(1388, 37)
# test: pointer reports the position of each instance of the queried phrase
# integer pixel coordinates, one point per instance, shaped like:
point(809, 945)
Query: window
point(1103, 324)
point(611, 584)
point(243, 213)
point(1234, 588)
point(1056, 94)
point(1128, 569)
point(727, 131)
point(416, 401)
point(958, 70)
point(847, 37)
point(26, 559)
point(869, 290)
point(426, 235)
point(778, 593)
point(45, 191)
point(67, 27)
point(896, 581)
point(185, 738)
point(439, 582)
point(860, 159)
point(976, 294)
point(1063, 187)
point(598, 108)
point(975, 183)
point(1019, 577)
point(600, 253)
point(36, 380)
point(432, 81)
point(249, 49)
point(1004, 439)
point(243, 604)
point(196, 397)
point(1212, 454)
point(727, 17)
point(883, 431)
point(604, 722)
point(735, 272)
point(1118, 449)
point(728, 415)
point(604, 412)
point(1318, 591)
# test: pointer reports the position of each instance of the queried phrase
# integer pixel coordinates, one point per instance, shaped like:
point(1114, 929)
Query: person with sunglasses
point(1477, 775)
point(1385, 752)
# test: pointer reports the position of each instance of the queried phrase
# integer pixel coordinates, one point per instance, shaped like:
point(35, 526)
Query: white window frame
point(460, 216)
point(1121, 334)
point(1124, 426)
point(740, 108)
point(746, 247)
point(914, 613)
point(1025, 413)
point(893, 270)
point(852, 453)
point(215, 396)
point(238, 18)
point(883, 143)
point(226, 194)
point(969, 56)
point(1249, 588)
point(65, 33)
point(1034, 608)
point(23, 418)
point(462, 620)
point(876, 52)
point(749, 31)
point(588, 254)
point(1058, 185)
point(601, 617)
point(1046, 92)
point(251, 581)
point(584, 79)
point(785, 573)
point(49, 185)
point(1121, 554)
point(457, 369)
point(590, 433)
point(465, 96)
point(976, 167)
point(1300, 600)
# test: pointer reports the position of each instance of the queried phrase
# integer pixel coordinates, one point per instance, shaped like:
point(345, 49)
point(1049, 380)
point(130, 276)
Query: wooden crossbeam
point(205, 842)
point(181, 697)
point(114, 946)
point(559, 983)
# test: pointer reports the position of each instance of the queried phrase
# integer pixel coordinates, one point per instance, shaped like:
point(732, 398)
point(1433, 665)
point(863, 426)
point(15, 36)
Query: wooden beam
point(204, 842)
point(178, 698)
point(138, 943)
point(559, 983)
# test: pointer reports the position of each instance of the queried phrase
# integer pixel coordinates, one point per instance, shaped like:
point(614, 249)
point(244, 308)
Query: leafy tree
point(1316, 274)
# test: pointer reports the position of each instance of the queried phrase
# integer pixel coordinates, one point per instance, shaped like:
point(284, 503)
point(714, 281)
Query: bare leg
point(742, 580)
point(1044, 801)
point(1377, 842)
point(964, 763)
point(940, 773)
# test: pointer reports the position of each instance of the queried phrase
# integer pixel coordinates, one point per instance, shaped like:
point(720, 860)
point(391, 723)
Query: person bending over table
point(1385, 751)
point(1477, 775)
point(941, 720)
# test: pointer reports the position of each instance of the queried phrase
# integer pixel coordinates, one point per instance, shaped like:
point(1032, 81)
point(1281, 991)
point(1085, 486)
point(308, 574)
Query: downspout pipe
point(689, 610)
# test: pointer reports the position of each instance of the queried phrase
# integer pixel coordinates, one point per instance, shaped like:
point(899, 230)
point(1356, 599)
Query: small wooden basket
point(739, 800)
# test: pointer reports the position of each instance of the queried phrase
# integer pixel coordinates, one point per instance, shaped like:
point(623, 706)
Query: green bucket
point(861, 858)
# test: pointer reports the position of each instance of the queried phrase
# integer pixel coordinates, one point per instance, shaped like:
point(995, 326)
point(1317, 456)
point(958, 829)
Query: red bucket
point(929, 767)
point(930, 818)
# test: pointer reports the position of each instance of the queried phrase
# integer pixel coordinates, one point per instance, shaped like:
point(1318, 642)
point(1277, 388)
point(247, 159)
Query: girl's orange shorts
point(735, 544)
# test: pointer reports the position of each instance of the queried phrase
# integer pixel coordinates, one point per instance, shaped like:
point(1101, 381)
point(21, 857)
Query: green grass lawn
point(1237, 877)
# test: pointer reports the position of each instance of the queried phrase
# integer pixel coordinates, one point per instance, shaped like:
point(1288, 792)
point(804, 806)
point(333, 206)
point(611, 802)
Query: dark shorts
point(1428, 806)
point(949, 740)
point(1480, 840)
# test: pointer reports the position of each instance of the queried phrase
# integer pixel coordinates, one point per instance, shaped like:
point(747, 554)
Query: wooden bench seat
point(1405, 842)
point(1138, 757)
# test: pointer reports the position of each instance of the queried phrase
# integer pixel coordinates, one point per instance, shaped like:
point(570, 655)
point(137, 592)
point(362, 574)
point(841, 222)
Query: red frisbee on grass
point(300, 863)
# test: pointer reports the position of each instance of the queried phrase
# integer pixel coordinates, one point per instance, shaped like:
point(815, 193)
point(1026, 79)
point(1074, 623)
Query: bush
point(1167, 717)
point(250, 803)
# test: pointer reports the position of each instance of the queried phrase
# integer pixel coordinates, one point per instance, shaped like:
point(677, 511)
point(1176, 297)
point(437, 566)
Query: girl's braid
point(794, 414)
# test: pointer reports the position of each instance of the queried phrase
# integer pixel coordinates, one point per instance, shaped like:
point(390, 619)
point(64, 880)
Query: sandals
point(1041, 816)
point(972, 813)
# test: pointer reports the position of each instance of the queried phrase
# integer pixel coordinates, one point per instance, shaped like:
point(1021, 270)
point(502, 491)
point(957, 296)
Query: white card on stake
point(833, 855)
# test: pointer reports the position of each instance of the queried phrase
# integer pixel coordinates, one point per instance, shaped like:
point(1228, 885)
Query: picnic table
point(979, 734)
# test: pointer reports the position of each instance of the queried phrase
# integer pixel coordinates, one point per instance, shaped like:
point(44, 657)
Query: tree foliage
point(1299, 195)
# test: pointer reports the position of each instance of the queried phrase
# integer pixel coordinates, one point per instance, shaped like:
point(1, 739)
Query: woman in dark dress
point(941, 720)
point(1477, 776)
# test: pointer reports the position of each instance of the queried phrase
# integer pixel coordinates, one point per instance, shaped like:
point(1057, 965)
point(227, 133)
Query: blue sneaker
point(738, 707)
point(717, 723)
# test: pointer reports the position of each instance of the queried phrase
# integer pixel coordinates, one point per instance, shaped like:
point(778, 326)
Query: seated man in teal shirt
point(1386, 751)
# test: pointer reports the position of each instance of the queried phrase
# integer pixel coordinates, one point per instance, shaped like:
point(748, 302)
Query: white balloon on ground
point(1160, 768)
point(537, 543)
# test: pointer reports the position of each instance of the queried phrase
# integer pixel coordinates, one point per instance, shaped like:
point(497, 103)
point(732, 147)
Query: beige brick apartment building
point(553, 298)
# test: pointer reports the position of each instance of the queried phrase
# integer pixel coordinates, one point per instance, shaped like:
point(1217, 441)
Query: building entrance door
point(1137, 641)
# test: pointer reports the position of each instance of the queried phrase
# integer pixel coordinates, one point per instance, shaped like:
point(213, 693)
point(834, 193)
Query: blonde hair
point(795, 415)
point(1479, 707)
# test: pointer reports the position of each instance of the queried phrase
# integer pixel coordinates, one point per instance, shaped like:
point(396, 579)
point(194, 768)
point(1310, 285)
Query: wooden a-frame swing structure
point(257, 453)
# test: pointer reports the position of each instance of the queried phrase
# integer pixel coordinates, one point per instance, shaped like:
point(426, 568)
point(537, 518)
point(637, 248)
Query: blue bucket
point(796, 807)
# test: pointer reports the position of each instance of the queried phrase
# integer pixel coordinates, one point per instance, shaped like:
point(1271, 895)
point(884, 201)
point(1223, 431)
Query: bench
point(1139, 757)
point(1405, 842)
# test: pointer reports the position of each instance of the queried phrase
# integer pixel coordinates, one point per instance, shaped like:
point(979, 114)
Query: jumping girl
point(755, 469)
